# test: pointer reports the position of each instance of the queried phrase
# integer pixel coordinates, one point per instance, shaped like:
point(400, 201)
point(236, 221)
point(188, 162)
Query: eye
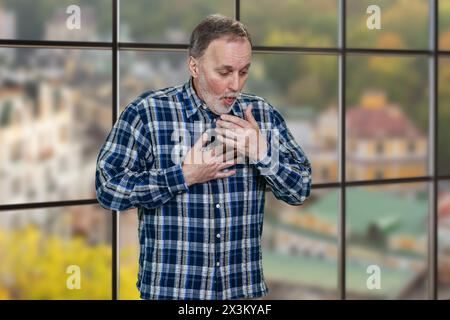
point(243, 73)
point(224, 73)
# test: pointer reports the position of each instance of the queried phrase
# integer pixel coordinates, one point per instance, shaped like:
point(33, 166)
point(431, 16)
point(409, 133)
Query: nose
point(234, 82)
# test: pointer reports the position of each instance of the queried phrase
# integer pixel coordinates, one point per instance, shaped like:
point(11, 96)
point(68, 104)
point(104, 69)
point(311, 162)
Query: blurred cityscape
point(56, 111)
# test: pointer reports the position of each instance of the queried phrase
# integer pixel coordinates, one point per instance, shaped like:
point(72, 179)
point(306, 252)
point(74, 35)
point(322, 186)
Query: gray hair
point(213, 27)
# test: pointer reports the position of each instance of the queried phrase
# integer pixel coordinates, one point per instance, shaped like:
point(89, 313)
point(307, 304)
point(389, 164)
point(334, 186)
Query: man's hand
point(203, 165)
point(244, 135)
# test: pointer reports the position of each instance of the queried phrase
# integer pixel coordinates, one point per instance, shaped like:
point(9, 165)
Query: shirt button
point(218, 264)
point(218, 236)
point(218, 206)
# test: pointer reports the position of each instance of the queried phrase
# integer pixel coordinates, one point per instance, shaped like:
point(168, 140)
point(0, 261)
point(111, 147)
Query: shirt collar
point(193, 101)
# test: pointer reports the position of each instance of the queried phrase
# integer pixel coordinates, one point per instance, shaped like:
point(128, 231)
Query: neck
point(195, 85)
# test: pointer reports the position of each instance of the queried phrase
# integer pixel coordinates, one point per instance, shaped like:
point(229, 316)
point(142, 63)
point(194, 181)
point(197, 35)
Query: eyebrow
point(227, 67)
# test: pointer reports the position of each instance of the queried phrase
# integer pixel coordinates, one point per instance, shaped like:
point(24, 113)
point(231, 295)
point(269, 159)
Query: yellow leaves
point(444, 40)
point(4, 294)
point(390, 40)
point(388, 66)
point(129, 266)
point(278, 37)
point(34, 266)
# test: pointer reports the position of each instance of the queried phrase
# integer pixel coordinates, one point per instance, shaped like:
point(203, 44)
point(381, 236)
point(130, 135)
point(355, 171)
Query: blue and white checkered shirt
point(201, 241)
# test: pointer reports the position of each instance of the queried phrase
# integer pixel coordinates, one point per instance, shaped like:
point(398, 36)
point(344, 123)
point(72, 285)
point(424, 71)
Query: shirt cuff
point(175, 179)
point(266, 160)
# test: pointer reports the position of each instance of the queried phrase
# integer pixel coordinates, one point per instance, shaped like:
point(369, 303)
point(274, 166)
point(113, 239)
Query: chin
point(225, 110)
point(222, 109)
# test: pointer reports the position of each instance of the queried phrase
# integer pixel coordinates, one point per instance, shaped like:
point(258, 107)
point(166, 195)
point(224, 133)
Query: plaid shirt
point(201, 241)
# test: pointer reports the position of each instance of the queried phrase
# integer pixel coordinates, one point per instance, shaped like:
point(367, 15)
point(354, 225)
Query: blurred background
point(56, 111)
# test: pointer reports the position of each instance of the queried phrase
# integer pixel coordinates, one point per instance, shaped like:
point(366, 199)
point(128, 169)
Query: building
point(7, 31)
point(390, 145)
point(35, 134)
point(382, 229)
point(387, 146)
point(7, 24)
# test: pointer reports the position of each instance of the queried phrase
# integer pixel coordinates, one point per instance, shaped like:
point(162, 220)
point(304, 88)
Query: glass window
point(386, 253)
point(166, 21)
point(444, 240)
point(387, 106)
point(304, 89)
point(129, 255)
point(291, 22)
point(444, 117)
point(300, 247)
point(46, 92)
point(141, 71)
point(311, 115)
point(55, 253)
point(65, 20)
point(444, 24)
point(388, 24)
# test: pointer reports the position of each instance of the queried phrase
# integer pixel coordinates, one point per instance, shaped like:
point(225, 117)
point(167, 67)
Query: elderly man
point(195, 160)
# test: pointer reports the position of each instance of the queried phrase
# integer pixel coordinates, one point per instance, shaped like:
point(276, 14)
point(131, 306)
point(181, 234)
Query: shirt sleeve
point(124, 176)
point(285, 167)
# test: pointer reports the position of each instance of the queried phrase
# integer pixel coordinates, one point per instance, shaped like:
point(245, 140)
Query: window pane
point(69, 20)
point(150, 70)
point(129, 255)
point(403, 24)
point(55, 253)
point(166, 21)
point(300, 247)
point(444, 117)
point(292, 22)
point(55, 113)
point(444, 24)
point(304, 89)
point(444, 240)
point(386, 117)
point(387, 241)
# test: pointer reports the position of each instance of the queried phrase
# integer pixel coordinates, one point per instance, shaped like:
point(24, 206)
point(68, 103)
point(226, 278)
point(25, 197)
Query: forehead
point(225, 51)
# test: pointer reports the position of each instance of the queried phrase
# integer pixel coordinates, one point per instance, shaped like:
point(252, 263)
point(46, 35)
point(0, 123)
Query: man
point(195, 161)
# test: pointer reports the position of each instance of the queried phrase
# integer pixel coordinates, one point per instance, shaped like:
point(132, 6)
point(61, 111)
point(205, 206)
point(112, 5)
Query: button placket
point(217, 215)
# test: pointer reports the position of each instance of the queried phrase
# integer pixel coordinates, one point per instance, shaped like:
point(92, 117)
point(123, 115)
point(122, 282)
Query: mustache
point(236, 95)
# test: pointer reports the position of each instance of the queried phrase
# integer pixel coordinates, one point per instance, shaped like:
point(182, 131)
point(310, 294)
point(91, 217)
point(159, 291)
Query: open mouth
point(229, 100)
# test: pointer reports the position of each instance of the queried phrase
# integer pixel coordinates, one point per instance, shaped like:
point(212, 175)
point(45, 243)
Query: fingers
point(231, 134)
point(221, 148)
point(201, 142)
point(237, 160)
point(228, 157)
point(227, 125)
point(221, 174)
point(230, 142)
point(236, 120)
point(237, 134)
point(249, 116)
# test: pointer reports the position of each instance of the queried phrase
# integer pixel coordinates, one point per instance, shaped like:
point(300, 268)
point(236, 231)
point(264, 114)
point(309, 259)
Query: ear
point(193, 66)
